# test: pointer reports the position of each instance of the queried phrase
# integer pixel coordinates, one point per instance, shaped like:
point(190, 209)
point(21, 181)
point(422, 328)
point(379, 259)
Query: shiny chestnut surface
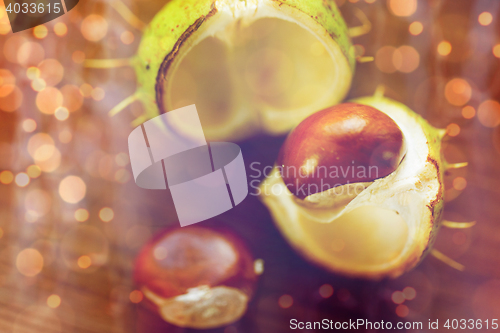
point(346, 143)
point(183, 258)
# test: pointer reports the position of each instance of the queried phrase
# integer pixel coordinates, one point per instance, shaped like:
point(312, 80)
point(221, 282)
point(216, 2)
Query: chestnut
point(386, 229)
point(346, 143)
point(196, 277)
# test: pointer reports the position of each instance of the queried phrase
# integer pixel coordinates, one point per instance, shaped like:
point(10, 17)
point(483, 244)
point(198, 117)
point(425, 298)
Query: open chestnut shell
point(370, 229)
point(346, 143)
point(196, 277)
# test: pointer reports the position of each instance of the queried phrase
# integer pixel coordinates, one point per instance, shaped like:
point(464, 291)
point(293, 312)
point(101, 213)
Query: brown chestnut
point(346, 143)
point(196, 277)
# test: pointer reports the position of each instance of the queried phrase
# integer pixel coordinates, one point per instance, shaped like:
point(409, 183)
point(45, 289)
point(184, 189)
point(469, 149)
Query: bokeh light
point(30, 54)
point(403, 7)
point(402, 310)
point(7, 82)
point(51, 71)
point(61, 114)
point(30, 217)
point(258, 266)
point(105, 166)
point(38, 202)
point(4, 21)
point(459, 183)
point(122, 159)
point(72, 189)
point(453, 129)
point(60, 29)
point(398, 297)
point(444, 48)
point(6, 177)
point(326, 291)
point(78, 57)
point(32, 72)
point(72, 97)
point(86, 90)
point(53, 301)
point(285, 301)
point(48, 100)
point(34, 171)
point(468, 112)
point(458, 92)
point(485, 18)
point(40, 31)
point(383, 59)
point(52, 162)
point(22, 179)
point(44, 153)
point(12, 101)
point(84, 262)
point(37, 141)
point(81, 215)
point(106, 214)
point(11, 47)
point(94, 27)
point(405, 59)
point(29, 125)
point(416, 28)
point(65, 136)
point(38, 84)
point(136, 296)
point(29, 262)
point(98, 94)
point(496, 50)
point(41, 147)
point(160, 253)
point(127, 37)
point(359, 50)
point(122, 176)
point(409, 293)
point(488, 113)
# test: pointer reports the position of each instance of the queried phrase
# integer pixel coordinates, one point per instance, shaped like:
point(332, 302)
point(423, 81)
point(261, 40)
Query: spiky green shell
point(434, 156)
point(327, 14)
point(172, 26)
point(162, 37)
point(414, 191)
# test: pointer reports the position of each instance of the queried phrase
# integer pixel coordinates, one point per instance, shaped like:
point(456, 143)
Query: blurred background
point(72, 220)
